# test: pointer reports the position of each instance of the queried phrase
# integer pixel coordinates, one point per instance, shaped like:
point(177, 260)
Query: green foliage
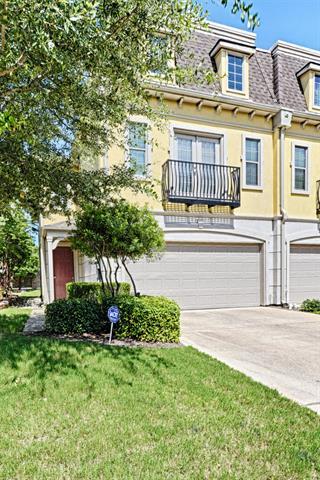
point(149, 319)
point(92, 290)
point(310, 305)
point(77, 69)
point(240, 6)
point(13, 320)
point(77, 315)
point(117, 231)
point(18, 253)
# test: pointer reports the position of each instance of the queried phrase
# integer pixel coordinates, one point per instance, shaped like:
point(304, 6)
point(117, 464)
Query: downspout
point(282, 121)
point(284, 216)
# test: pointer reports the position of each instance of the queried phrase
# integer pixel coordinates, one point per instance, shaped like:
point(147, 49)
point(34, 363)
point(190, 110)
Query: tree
point(115, 234)
point(18, 252)
point(76, 69)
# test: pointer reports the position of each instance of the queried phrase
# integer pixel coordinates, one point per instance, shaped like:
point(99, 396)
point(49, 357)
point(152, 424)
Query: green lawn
point(30, 293)
point(12, 320)
point(83, 411)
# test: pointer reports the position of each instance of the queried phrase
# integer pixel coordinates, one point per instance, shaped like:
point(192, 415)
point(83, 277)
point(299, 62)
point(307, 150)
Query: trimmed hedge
point(77, 315)
point(92, 290)
point(149, 319)
point(310, 305)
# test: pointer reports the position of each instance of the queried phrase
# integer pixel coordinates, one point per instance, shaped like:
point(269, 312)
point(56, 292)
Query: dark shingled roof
point(272, 75)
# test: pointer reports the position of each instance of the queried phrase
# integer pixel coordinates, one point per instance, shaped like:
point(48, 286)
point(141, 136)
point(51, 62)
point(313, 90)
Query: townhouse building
point(238, 165)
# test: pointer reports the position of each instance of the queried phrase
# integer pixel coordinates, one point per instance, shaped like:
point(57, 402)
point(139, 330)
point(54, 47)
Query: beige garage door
point(304, 279)
point(207, 276)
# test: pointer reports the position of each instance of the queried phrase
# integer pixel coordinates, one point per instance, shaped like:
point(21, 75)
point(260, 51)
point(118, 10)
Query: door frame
point(199, 131)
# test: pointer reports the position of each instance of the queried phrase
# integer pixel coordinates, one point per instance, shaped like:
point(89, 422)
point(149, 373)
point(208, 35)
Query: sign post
point(113, 316)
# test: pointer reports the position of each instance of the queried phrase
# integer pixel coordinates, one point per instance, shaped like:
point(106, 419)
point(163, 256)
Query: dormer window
point(232, 65)
point(317, 90)
point(309, 78)
point(235, 72)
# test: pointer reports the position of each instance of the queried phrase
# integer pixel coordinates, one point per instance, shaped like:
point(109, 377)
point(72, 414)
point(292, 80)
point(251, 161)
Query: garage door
point(207, 276)
point(304, 279)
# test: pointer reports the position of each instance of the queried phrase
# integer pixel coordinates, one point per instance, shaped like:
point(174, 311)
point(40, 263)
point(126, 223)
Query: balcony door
point(195, 155)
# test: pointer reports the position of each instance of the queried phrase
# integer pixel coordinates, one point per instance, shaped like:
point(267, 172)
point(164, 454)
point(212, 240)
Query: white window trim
point(139, 119)
point(233, 90)
point(315, 105)
point(292, 165)
point(201, 131)
point(260, 185)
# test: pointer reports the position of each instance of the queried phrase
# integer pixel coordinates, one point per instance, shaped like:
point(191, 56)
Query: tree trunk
point(110, 276)
point(123, 261)
point(116, 277)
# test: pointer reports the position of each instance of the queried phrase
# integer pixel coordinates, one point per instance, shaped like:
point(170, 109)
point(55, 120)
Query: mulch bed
point(103, 339)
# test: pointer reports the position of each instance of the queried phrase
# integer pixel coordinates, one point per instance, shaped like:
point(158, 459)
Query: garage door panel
point(304, 279)
point(203, 276)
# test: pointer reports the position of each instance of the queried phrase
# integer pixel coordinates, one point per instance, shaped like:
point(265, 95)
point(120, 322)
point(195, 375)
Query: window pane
point(158, 54)
point(208, 150)
point(138, 160)
point(300, 157)
point(235, 72)
point(252, 174)
point(252, 150)
point(300, 179)
point(184, 149)
point(137, 135)
point(317, 90)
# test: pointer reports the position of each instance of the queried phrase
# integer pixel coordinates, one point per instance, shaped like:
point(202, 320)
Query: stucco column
point(44, 284)
point(50, 269)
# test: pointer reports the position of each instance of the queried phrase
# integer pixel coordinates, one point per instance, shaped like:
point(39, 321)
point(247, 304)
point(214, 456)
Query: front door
point(63, 270)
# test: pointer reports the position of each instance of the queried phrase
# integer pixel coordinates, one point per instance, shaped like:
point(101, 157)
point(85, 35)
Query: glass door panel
point(185, 153)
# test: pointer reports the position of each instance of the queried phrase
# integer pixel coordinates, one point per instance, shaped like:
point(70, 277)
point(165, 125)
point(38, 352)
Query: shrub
point(149, 319)
point(92, 290)
point(310, 305)
point(77, 315)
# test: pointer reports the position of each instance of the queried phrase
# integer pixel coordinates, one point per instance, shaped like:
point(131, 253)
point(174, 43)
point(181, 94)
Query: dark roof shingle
point(272, 75)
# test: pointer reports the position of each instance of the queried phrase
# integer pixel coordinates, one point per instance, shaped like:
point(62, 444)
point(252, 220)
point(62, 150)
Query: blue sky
point(295, 21)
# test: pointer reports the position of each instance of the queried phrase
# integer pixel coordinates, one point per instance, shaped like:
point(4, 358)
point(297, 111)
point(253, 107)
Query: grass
point(72, 410)
point(29, 294)
point(12, 319)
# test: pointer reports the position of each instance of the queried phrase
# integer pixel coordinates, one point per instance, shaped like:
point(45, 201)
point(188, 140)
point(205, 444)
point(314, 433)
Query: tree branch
point(21, 61)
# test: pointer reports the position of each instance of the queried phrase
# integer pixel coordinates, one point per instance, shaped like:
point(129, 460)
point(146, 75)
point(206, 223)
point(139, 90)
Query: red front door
point(63, 270)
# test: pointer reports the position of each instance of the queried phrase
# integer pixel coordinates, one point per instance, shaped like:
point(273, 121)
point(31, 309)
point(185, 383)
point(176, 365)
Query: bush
point(74, 316)
point(310, 305)
point(92, 290)
point(149, 319)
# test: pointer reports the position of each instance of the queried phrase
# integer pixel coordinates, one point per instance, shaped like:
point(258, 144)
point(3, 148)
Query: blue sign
point(113, 314)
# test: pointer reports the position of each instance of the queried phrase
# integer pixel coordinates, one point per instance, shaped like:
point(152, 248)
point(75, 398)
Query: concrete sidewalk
point(277, 347)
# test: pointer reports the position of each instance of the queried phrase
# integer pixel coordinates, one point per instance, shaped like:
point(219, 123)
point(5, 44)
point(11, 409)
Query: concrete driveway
point(277, 347)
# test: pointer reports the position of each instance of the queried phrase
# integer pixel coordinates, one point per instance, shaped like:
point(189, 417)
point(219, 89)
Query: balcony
point(200, 183)
point(318, 197)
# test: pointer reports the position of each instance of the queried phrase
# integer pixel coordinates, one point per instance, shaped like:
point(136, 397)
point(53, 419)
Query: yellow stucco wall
point(263, 202)
point(207, 120)
point(302, 205)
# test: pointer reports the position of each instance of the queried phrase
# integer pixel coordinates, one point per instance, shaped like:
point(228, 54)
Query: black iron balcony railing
point(200, 183)
point(318, 197)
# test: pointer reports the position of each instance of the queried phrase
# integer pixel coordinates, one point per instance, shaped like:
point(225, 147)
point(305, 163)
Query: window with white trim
point(235, 72)
point(252, 162)
point(138, 147)
point(197, 148)
point(317, 90)
point(300, 169)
